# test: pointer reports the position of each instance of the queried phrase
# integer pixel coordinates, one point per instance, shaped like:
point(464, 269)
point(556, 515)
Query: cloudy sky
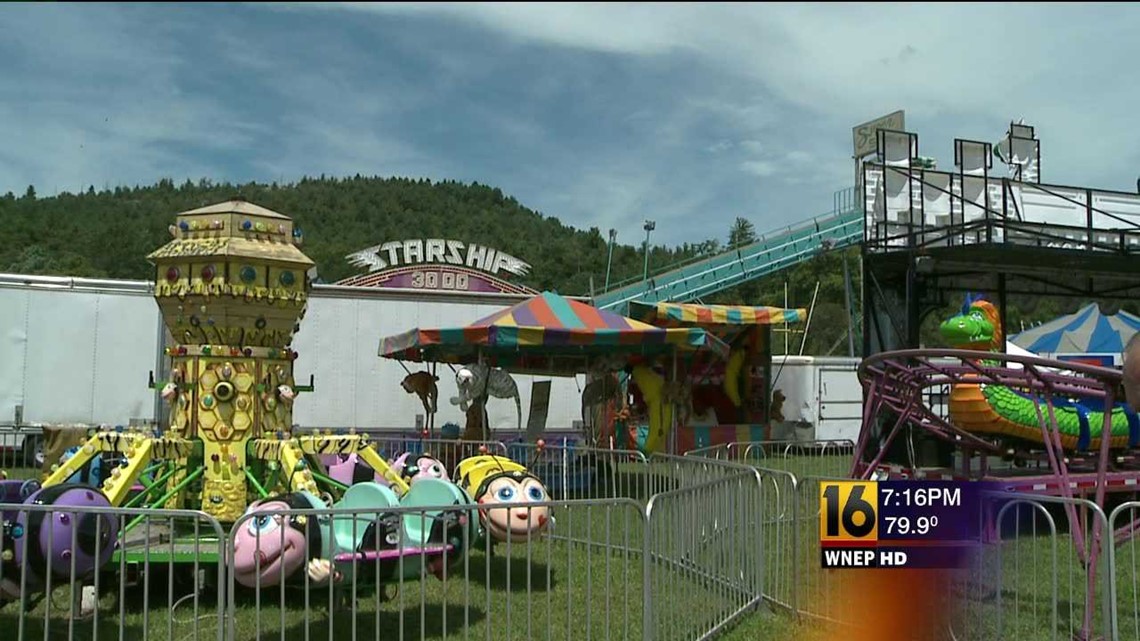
point(600, 115)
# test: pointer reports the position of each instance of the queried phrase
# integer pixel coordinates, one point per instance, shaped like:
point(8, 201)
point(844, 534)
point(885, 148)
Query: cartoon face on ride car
point(271, 543)
point(519, 521)
point(423, 466)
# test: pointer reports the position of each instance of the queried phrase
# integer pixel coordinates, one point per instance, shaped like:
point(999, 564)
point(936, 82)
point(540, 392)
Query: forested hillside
point(109, 233)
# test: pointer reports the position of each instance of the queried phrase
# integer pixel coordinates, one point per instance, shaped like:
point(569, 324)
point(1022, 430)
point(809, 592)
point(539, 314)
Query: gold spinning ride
point(232, 286)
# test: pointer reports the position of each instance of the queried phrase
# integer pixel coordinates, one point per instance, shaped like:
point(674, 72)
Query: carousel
point(648, 378)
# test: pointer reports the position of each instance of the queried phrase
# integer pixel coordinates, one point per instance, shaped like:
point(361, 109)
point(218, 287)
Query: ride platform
point(156, 541)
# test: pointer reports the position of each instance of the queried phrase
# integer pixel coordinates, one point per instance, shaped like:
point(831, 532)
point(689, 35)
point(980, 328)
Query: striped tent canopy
point(1087, 331)
point(712, 316)
point(546, 334)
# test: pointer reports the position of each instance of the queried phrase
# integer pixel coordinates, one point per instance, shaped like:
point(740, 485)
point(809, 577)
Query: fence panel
point(574, 472)
point(541, 586)
point(1028, 579)
point(1125, 570)
point(815, 590)
point(777, 521)
point(73, 571)
point(22, 450)
point(825, 458)
point(719, 452)
point(676, 547)
point(706, 552)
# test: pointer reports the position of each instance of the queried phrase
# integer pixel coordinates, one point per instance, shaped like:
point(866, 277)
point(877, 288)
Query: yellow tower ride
point(232, 285)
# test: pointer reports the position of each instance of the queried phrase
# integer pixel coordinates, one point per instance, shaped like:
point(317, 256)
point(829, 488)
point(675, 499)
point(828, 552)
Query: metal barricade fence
point(579, 580)
point(1028, 580)
point(820, 458)
point(535, 587)
point(814, 589)
point(21, 450)
point(18, 450)
point(826, 457)
point(705, 553)
point(73, 571)
point(576, 472)
point(669, 472)
point(1124, 564)
point(776, 521)
point(719, 452)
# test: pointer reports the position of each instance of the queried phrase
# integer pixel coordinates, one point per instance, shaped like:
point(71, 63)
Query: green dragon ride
point(982, 408)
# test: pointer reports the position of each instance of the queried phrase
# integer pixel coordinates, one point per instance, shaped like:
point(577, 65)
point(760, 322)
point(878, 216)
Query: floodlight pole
point(610, 259)
point(648, 227)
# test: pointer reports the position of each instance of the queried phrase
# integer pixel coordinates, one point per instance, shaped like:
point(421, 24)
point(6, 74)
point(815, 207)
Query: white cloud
point(599, 114)
point(1065, 67)
point(614, 28)
point(762, 168)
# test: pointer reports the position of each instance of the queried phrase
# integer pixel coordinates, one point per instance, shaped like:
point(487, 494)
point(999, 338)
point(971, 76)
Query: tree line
point(108, 233)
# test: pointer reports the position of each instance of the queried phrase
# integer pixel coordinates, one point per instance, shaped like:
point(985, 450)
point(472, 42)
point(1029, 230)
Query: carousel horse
point(601, 396)
point(659, 412)
point(776, 414)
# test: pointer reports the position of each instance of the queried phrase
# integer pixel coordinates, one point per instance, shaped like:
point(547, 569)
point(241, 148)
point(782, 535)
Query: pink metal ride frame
point(900, 381)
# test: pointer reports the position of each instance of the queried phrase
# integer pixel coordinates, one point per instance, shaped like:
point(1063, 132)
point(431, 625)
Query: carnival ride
point(555, 336)
point(1000, 409)
point(491, 480)
point(716, 400)
point(39, 548)
point(773, 252)
point(232, 286)
point(1022, 424)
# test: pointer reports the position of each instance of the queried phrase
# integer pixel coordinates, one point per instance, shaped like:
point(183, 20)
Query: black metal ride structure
point(932, 235)
point(916, 260)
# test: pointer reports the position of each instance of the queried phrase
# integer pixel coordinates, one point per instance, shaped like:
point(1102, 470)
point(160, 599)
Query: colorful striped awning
point(712, 316)
point(547, 332)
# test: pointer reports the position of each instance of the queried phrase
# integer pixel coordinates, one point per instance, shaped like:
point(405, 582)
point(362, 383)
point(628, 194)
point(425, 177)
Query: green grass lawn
point(558, 590)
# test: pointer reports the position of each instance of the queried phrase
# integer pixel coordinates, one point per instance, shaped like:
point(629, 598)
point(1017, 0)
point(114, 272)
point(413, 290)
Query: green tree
point(742, 233)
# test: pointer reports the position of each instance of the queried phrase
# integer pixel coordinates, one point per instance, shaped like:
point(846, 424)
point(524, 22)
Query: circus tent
point(1087, 331)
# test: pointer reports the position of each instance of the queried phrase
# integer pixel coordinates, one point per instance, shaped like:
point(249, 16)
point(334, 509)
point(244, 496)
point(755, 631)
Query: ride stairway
point(774, 251)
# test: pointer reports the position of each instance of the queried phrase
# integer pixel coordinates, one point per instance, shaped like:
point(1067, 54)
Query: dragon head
point(977, 326)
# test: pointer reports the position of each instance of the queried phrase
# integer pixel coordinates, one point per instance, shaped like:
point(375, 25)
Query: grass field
point(558, 590)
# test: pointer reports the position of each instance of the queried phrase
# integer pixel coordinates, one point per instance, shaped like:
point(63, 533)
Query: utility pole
point(850, 309)
point(610, 259)
point(648, 227)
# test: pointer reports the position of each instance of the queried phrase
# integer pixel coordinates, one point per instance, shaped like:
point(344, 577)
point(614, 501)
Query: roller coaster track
point(774, 251)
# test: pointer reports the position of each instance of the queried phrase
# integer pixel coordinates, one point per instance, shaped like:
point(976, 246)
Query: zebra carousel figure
point(476, 384)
